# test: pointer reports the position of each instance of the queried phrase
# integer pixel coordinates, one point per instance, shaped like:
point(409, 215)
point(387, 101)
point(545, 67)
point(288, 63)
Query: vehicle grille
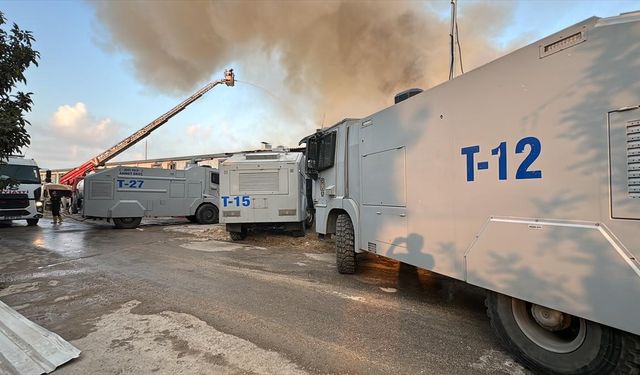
point(259, 182)
point(633, 158)
point(101, 190)
point(14, 201)
point(372, 247)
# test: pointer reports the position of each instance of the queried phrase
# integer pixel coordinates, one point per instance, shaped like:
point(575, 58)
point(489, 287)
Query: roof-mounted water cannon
point(229, 77)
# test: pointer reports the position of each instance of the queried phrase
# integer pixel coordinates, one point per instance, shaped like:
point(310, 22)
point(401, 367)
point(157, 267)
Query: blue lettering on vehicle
point(131, 184)
point(238, 201)
point(524, 171)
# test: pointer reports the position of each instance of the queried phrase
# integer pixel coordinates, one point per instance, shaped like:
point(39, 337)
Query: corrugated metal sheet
point(28, 349)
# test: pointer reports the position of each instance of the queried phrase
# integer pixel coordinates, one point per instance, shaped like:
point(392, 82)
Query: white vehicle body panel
point(138, 192)
point(263, 187)
point(522, 176)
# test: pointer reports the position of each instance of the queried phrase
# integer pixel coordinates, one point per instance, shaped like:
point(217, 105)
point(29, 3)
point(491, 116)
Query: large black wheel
point(32, 222)
point(126, 222)
point(550, 342)
point(309, 219)
point(345, 245)
point(207, 214)
point(238, 236)
point(298, 231)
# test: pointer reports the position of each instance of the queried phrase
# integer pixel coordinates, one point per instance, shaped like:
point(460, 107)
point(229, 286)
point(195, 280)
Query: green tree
point(16, 55)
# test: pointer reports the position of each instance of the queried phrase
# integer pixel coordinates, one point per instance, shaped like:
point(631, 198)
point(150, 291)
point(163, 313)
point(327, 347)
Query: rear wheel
point(551, 342)
point(309, 219)
point(299, 230)
point(207, 214)
point(32, 222)
point(298, 233)
point(127, 222)
point(238, 236)
point(345, 245)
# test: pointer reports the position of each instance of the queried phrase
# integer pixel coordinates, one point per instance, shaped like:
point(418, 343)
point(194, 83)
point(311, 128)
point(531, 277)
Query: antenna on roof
point(454, 41)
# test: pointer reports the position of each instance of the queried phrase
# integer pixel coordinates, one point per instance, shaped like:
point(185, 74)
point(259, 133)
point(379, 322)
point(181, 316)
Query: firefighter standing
point(55, 207)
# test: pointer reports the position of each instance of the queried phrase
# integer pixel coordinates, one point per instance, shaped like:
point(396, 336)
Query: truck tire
point(298, 230)
point(238, 236)
point(573, 346)
point(126, 222)
point(345, 246)
point(207, 214)
point(309, 219)
point(32, 222)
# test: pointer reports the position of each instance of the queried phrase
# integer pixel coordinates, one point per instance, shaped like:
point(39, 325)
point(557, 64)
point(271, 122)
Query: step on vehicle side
point(521, 177)
point(264, 190)
point(127, 194)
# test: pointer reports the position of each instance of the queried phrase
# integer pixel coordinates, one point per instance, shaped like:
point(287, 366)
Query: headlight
point(38, 204)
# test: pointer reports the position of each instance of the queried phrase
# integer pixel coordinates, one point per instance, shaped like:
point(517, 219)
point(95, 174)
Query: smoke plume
point(347, 57)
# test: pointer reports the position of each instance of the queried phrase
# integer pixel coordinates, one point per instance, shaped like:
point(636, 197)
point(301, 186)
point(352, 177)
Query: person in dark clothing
point(55, 207)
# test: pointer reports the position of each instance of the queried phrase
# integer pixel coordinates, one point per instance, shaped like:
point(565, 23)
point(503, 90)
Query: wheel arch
point(127, 208)
point(560, 265)
point(207, 203)
point(348, 207)
point(197, 203)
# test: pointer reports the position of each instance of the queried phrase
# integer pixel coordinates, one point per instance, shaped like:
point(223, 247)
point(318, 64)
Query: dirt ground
point(176, 298)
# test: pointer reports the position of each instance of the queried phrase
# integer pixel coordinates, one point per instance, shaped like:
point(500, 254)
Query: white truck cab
point(20, 200)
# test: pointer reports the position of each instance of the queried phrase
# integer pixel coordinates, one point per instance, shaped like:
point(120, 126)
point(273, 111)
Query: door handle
point(403, 215)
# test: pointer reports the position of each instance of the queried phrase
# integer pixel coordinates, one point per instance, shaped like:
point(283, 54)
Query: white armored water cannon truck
point(264, 189)
point(521, 177)
point(127, 194)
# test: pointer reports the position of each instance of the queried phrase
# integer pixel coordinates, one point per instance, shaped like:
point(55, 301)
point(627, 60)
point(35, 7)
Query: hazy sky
point(92, 87)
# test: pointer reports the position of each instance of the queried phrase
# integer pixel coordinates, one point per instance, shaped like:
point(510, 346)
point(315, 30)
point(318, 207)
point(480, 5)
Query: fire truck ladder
point(72, 177)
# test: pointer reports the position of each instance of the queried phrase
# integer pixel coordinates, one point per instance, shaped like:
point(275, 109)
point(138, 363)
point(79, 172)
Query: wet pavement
point(166, 298)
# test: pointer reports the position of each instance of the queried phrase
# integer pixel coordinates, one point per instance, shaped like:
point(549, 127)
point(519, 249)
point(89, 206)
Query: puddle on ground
point(189, 229)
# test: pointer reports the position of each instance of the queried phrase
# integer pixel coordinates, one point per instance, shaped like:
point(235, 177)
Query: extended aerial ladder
point(74, 176)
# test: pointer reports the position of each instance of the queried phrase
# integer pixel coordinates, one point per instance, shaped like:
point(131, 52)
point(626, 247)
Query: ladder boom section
point(71, 177)
point(153, 125)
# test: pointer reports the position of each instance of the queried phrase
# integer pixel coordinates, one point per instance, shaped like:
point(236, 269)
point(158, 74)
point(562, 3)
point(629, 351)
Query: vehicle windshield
point(24, 174)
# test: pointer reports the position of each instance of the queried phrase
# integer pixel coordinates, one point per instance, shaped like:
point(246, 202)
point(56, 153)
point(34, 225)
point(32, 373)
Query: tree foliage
point(16, 55)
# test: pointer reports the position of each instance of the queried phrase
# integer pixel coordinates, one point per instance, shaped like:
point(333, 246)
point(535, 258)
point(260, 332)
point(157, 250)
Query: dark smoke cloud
point(348, 57)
